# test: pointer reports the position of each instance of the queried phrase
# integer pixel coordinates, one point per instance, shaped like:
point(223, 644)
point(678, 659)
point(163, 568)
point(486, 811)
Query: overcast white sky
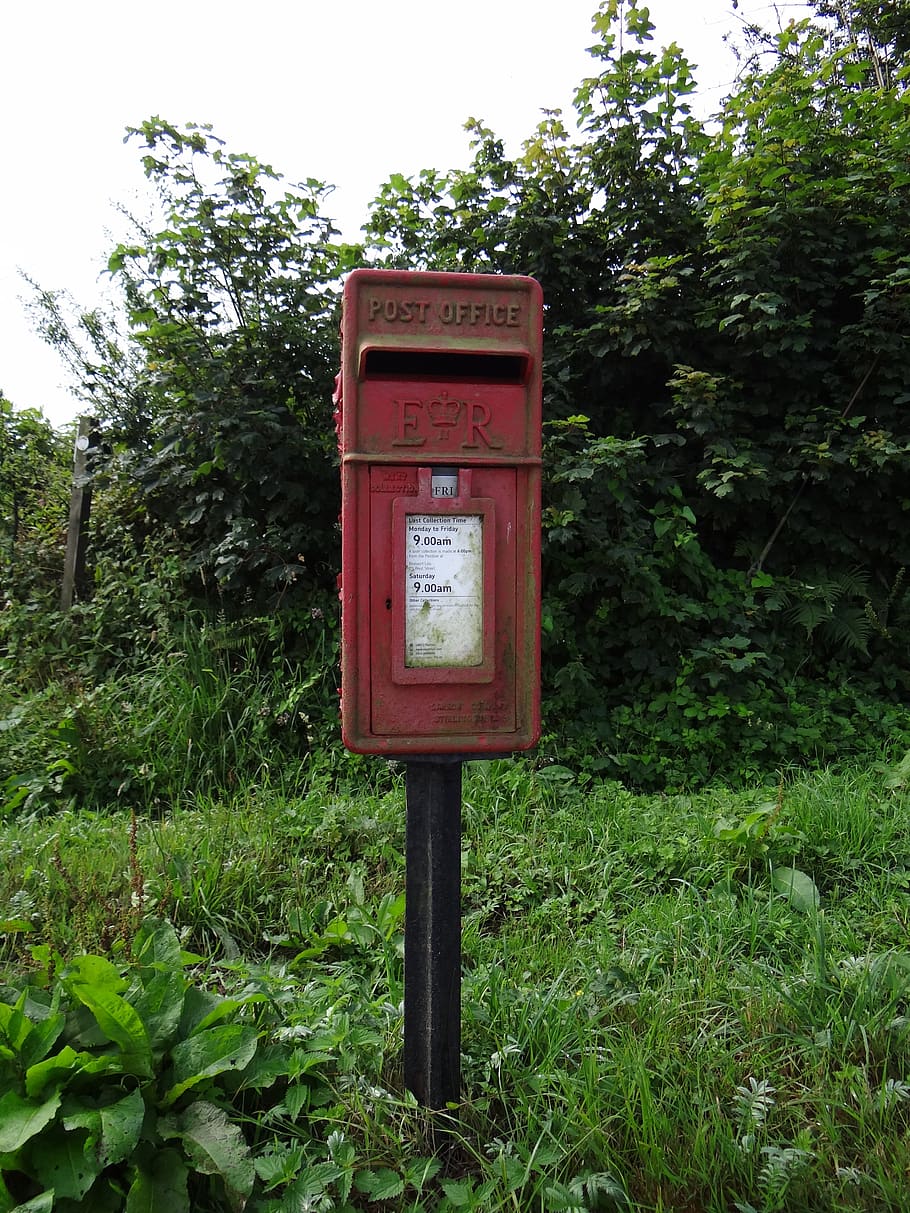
point(348, 91)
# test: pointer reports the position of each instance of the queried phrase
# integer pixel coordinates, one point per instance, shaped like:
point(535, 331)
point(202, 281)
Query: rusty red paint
point(440, 370)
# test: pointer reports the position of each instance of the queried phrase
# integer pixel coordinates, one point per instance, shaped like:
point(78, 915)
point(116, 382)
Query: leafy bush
point(122, 1086)
point(35, 472)
point(727, 449)
point(724, 523)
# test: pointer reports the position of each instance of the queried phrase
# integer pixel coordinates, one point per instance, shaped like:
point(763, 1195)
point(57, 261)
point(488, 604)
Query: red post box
point(439, 430)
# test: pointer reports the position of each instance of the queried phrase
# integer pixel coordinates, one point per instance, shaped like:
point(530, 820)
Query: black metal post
point(432, 932)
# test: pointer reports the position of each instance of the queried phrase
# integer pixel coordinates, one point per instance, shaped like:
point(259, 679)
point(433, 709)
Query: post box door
point(442, 603)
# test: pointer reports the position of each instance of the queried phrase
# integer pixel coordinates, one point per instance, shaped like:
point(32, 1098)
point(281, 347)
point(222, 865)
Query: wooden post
point(80, 509)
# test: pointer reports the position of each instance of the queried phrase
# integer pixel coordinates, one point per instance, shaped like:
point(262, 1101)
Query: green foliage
point(103, 1068)
point(35, 472)
point(213, 705)
point(666, 999)
point(726, 452)
point(875, 36)
point(230, 307)
point(33, 494)
point(222, 395)
point(724, 517)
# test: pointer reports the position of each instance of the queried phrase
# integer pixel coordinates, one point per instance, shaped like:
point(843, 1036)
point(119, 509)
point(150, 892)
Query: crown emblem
point(443, 411)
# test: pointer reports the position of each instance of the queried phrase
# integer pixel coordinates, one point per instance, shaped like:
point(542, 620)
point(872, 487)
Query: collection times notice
point(443, 623)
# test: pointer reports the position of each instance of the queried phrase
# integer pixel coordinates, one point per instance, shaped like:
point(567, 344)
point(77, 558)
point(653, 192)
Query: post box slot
point(445, 366)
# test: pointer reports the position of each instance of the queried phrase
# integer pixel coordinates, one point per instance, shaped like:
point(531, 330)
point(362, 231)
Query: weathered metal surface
point(439, 418)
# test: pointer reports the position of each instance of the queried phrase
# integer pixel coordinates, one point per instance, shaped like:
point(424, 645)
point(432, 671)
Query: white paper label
point(443, 622)
point(444, 484)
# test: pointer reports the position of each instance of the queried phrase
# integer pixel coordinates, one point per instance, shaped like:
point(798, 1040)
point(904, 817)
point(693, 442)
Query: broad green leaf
point(14, 1025)
point(214, 1143)
point(390, 913)
point(268, 1065)
point(160, 1006)
point(662, 526)
point(75, 1114)
point(95, 971)
point(63, 1163)
point(225, 1008)
point(796, 886)
point(21, 1119)
point(38, 1204)
point(198, 1005)
point(115, 1017)
point(41, 1038)
point(11, 926)
point(161, 1186)
point(355, 887)
point(52, 1069)
point(156, 944)
point(230, 1047)
point(66, 1064)
point(121, 1124)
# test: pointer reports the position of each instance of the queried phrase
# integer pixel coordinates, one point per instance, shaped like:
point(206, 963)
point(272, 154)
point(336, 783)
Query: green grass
point(648, 1023)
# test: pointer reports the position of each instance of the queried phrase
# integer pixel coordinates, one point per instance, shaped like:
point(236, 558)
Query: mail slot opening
point(445, 366)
